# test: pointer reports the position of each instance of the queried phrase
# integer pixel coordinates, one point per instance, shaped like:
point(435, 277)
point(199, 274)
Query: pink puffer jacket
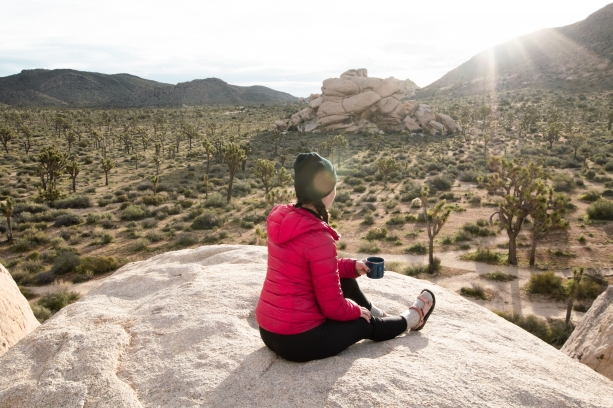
point(302, 286)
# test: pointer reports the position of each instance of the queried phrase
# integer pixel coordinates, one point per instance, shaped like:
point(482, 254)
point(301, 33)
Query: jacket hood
point(286, 222)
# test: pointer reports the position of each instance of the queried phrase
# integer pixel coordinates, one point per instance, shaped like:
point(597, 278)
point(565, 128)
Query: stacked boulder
point(592, 340)
point(16, 317)
point(354, 102)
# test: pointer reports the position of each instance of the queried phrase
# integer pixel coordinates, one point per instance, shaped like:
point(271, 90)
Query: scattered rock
point(179, 330)
point(353, 97)
point(592, 340)
point(16, 317)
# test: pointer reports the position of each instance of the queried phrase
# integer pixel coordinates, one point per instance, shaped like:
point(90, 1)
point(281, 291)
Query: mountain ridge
point(73, 88)
point(576, 57)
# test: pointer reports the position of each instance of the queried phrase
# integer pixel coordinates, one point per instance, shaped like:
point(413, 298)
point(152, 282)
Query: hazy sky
point(287, 45)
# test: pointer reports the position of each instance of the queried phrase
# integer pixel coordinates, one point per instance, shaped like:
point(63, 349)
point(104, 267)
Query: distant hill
point(210, 91)
point(577, 57)
point(71, 88)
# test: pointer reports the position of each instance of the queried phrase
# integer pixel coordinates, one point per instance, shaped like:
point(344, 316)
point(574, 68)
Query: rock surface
point(592, 340)
point(353, 99)
point(16, 317)
point(179, 330)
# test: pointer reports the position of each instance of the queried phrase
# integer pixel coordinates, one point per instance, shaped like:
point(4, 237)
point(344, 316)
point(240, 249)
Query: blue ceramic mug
point(376, 266)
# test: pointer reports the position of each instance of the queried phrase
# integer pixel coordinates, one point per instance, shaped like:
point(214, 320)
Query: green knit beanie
point(314, 178)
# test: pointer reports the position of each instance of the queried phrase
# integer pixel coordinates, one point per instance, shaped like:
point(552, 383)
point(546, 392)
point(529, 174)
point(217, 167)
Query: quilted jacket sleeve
point(321, 255)
point(346, 268)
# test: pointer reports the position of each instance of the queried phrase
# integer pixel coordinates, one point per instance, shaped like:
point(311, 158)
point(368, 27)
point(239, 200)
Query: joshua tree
point(277, 138)
point(339, 144)
point(386, 167)
point(434, 222)
point(548, 216)
point(26, 138)
point(73, 168)
point(7, 210)
point(51, 164)
point(265, 170)
point(233, 155)
point(610, 120)
point(208, 151)
point(575, 140)
point(157, 161)
point(552, 132)
point(572, 291)
point(585, 150)
point(107, 165)
point(155, 180)
point(136, 157)
point(190, 132)
point(6, 135)
point(70, 137)
point(528, 118)
point(521, 187)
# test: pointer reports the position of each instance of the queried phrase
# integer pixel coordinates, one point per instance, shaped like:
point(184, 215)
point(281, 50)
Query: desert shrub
point(65, 262)
point(98, 265)
point(105, 239)
point(187, 239)
point(66, 220)
point(32, 265)
point(29, 240)
point(554, 332)
point(132, 213)
point(32, 208)
point(609, 166)
point(590, 196)
point(474, 290)
point(479, 229)
point(92, 218)
point(486, 256)
point(475, 201)
point(590, 174)
point(376, 234)
point(153, 199)
point(58, 300)
point(391, 204)
point(546, 283)
point(468, 176)
point(103, 202)
point(145, 186)
point(241, 188)
point(359, 189)
point(563, 182)
point(44, 278)
point(149, 223)
point(417, 248)
point(108, 224)
point(499, 276)
point(601, 209)
point(215, 200)
point(396, 219)
point(368, 219)
point(74, 202)
point(589, 289)
point(369, 248)
point(40, 312)
point(410, 191)
point(343, 197)
point(416, 269)
point(207, 220)
point(439, 183)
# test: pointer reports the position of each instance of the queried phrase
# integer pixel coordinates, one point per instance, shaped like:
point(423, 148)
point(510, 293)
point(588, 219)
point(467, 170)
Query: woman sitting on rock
point(311, 306)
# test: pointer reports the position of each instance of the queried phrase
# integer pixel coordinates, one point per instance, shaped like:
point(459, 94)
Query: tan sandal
point(428, 308)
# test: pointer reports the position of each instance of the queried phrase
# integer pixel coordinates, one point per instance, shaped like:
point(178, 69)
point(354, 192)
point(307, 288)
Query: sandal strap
point(427, 302)
point(420, 312)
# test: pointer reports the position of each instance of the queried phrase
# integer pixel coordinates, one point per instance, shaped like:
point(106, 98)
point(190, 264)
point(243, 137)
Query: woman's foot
point(418, 313)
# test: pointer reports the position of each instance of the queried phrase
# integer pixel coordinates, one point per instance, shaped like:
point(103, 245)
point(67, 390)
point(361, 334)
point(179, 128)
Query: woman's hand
point(365, 314)
point(360, 267)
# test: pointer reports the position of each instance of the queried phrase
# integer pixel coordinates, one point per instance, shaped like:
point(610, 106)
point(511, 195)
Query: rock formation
point(179, 330)
point(355, 102)
point(16, 317)
point(592, 340)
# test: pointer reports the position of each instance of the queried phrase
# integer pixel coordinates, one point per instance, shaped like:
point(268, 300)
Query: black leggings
point(331, 337)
